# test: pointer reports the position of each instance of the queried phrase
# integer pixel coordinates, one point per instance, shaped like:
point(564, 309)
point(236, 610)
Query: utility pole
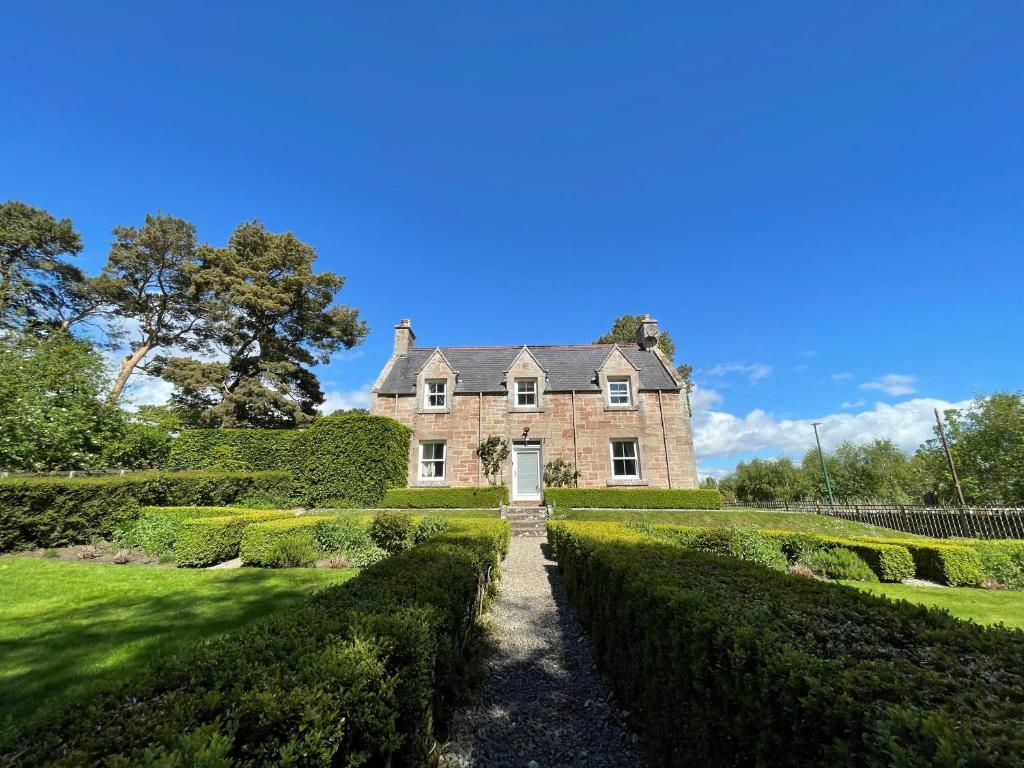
point(824, 469)
point(949, 458)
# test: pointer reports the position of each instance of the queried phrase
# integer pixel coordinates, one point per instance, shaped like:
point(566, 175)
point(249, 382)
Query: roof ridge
point(528, 346)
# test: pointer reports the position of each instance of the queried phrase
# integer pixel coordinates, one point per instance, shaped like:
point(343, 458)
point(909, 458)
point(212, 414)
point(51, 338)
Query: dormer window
point(436, 394)
point(526, 393)
point(619, 392)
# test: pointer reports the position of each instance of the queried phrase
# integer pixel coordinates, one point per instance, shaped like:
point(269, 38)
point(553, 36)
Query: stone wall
point(474, 416)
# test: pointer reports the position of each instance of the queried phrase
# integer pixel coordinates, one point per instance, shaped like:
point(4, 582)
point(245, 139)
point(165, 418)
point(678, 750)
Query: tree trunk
point(128, 366)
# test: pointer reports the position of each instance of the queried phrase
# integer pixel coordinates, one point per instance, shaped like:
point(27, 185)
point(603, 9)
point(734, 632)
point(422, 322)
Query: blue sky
point(821, 201)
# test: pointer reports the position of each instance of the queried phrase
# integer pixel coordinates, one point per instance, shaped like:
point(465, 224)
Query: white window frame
point(635, 458)
point(433, 460)
point(612, 394)
point(534, 392)
point(430, 392)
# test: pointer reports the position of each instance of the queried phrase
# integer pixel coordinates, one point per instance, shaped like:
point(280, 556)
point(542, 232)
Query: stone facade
point(577, 426)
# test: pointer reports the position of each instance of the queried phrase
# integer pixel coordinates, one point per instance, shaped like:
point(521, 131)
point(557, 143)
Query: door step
point(526, 521)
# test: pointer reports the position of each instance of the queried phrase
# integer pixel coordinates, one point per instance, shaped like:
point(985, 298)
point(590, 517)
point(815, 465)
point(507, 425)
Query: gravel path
point(544, 703)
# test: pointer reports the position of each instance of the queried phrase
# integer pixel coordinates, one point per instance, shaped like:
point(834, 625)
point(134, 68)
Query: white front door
point(526, 476)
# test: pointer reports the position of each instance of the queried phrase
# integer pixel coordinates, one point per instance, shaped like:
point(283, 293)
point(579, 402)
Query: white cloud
point(146, 390)
point(801, 367)
point(844, 376)
point(716, 472)
point(809, 353)
point(847, 404)
point(344, 401)
point(894, 384)
point(754, 371)
point(716, 433)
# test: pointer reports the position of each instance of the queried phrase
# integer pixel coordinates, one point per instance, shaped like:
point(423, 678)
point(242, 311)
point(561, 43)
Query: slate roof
point(569, 368)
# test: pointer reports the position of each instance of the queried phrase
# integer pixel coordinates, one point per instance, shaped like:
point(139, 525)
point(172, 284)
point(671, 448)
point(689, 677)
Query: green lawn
point(985, 606)
point(67, 626)
point(788, 521)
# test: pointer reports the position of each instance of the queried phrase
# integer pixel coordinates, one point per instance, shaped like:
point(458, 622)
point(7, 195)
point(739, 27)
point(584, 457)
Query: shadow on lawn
point(68, 653)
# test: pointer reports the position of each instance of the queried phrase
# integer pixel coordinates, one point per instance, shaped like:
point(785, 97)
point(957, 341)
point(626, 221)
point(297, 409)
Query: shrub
point(348, 536)
point(634, 498)
point(472, 497)
point(55, 512)
point(259, 539)
point(888, 561)
point(391, 531)
point(559, 473)
point(156, 529)
point(838, 563)
point(746, 543)
point(429, 527)
point(238, 449)
point(357, 674)
point(946, 563)
point(293, 552)
point(356, 457)
point(206, 541)
point(1003, 562)
point(728, 663)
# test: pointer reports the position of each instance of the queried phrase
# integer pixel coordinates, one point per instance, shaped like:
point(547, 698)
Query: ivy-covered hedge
point(204, 541)
point(53, 512)
point(724, 662)
point(357, 674)
point(257, 543)
point(353, 459)
point(472, 497)
point(238, 449)
point(634, 498)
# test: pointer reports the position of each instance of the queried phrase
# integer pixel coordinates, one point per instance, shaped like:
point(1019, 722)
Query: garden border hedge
point(57, 511)
point(357, 674)
point(238, 449)
point(468, 497)
point(258, 540)
point(634, 498)
point(727, 663)
point(204, 541)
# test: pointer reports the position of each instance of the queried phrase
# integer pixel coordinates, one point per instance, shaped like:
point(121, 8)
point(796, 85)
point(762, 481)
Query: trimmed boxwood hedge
point(472, 497)
point(204, 541)
point(54, 512)
point(724, 662)
point(238, 449)
point(947, 563)
point(634, 498)
point(257, 543)
point(357, 674)
point(888, 561)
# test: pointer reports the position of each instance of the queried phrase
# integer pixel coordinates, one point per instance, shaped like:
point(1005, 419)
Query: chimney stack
point(647, 333)
point(405, 339)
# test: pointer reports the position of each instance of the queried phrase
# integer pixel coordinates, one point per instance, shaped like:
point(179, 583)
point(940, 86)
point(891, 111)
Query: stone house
point(618, 413)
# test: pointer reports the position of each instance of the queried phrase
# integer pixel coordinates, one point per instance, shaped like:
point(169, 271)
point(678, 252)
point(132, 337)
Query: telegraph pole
point(824, 469)
point(949, 458)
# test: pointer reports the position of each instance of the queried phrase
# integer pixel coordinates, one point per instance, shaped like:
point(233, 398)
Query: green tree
point(143, 440)
point(987, 443)
point(147, 282)
point(271, 319)
point(770, 480)
point(623, 331)
point(876, 470)
point(52, 414)
point(492, 451)
point(37, 286)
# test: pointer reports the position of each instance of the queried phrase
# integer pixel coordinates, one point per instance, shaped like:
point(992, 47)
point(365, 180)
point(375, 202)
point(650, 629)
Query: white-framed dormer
point(619, 380)
point(435, 384)
point(526, 381)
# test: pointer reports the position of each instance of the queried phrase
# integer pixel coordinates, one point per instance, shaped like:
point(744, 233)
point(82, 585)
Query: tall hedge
point(238, 449)
point(56, 511)
point(728, 663)
point(354, 458)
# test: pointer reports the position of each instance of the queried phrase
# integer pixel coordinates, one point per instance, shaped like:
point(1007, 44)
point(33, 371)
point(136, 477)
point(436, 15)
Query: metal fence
point(939, 522)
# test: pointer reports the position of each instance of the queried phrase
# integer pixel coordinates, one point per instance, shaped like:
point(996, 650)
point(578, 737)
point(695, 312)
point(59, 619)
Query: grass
point(983, 606)
point(67, 627)
point(788, 521)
